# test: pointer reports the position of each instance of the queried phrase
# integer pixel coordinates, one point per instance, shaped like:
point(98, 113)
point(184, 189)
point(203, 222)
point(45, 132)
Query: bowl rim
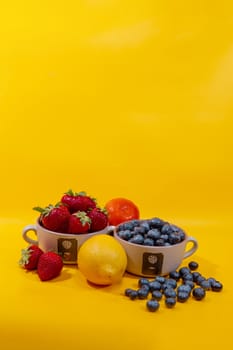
point(147, 246)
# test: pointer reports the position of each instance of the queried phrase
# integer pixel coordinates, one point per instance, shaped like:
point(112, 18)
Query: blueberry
point(145, 225)
point(139, 229)
point(184, 288)
point(143, 281)
point(126, 226)
point(175, 228)
point(126, 234)
point(200, 279)
point(182, 296)
point(216, 286)
point(183, 271)
point(157, 295)
point(156, 223)
point(169, 293)
point(134, 223)
point(205, 285)
point(198, 293)
point(187, 277)
point(174, 238)
point(191, 284)
point(171, 282)
point(195, 276)
point(146, 286)
point(128, 291)
point(164, 237)
point(170, 302)
point(159, 242)
point(154, 234)
point(160, 279)
point(149, 242)
point(142, 293)
point(137, 239)
point(193, 265)
point(166, 229)
point(211, 280)
point(155, 285)
point(174, 275)
point(152, 305)
point(133, 295)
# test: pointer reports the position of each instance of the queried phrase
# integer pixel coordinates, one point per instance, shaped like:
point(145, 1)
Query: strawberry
point(49, 266)
point(79, 223)
point(30, 257)
point(54, 218)
point(78, 201)
point(99, 219)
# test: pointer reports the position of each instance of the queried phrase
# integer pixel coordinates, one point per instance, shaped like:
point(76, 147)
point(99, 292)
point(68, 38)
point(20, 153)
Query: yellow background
point(117, 98)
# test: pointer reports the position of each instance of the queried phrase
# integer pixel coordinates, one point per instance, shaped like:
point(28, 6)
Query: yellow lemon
point(102, 260)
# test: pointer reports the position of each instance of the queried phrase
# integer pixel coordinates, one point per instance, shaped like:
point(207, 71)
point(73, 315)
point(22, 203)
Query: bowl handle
point(193, 248)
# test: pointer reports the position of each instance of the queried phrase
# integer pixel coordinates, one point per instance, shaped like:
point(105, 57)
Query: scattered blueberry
point(200, 279)
point(195, 276)
point(216, 286)
point(160, 279)
point(143, 293)
point(193, 265)
point(143, 281)
point(191, 284)
point(169, 293)
point(157, 295)
point(152, 305)
point(187, 277)
point(182, 296)
point(198, 293)
point(184, 288)
point(183, 271)
point(174, 275)
point(211, 280)
point(171, 282)
point(133, 295)
point(205, 285)
point(128, 291)
point(170, 302)
point(154, 285)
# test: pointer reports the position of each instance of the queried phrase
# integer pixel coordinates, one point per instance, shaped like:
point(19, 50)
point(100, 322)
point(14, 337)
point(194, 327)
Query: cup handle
point(192, 249)
point(26, 229)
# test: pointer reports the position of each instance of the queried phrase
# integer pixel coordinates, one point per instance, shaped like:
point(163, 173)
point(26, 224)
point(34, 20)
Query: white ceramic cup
point(156, 260)
point(65, 244)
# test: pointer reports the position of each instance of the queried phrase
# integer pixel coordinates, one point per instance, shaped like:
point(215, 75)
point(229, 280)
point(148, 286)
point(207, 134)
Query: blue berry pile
point(178, 286)
point(151, 232)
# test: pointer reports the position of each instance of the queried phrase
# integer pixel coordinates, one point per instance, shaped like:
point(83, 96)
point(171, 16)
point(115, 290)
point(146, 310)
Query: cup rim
point(143, 247)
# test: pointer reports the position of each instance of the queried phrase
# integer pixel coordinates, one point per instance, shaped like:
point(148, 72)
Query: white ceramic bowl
point(65, 244)
point(149, 261)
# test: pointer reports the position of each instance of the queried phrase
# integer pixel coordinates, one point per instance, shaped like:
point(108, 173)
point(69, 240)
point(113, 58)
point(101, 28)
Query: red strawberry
point(79, 223)
point(30, 257)
point(49, 266)
point(78, 201)
point(54, 218)
point(99, 219)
